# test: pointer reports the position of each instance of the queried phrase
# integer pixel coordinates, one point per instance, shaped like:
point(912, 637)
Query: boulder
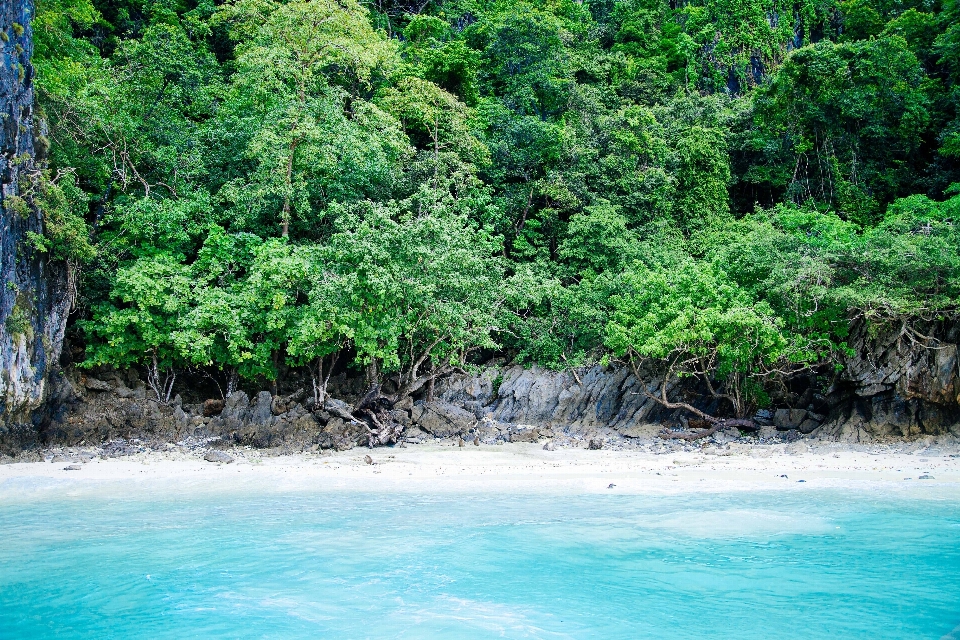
point(212, 407)
point(341, 435)
point(218, 456)
point(443, 419)
point(525, 433)
point(786, 419)
point(807, 426)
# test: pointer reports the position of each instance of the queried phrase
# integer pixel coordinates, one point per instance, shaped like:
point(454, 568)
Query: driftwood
point(709, 431)
point(373, 412)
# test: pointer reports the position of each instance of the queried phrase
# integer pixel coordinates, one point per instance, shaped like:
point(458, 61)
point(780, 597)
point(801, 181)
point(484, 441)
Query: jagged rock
point(72, 467)
point(763, 417)
point(892, 359)
point(218, 456)
point(443, 419)
point(262, 412)
point(96, 385)
point(602, 398)
point(595, 444)
point(254, 424)
point(808, 426)
point(341, 435)
point(786, 419)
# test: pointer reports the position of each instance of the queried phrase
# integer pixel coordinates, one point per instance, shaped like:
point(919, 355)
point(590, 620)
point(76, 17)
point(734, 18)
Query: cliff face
point(903, 382)
point(35, 293)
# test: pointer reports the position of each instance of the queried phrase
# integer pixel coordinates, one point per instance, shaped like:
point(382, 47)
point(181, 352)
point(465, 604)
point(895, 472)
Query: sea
point(176, 562)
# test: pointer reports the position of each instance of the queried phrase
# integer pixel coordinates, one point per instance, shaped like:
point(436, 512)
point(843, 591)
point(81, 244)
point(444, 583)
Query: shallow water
point(812, 564)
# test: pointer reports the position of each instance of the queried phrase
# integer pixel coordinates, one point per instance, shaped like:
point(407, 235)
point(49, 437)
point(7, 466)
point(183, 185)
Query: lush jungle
point(250, 188)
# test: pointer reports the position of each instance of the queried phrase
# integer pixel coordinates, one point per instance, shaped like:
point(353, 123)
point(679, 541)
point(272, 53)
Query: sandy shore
point(505, 468)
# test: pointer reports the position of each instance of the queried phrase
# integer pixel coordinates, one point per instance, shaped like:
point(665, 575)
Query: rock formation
point(35, 292)
point(902, 382)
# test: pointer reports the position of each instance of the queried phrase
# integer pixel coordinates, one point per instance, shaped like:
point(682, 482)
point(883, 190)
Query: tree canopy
point(251, 187)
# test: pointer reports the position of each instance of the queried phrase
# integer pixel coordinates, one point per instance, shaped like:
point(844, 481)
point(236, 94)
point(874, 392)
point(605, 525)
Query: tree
point(422, 291)
point(694, 321)
point(300, 66)
point(842, 124)
point(140, 323)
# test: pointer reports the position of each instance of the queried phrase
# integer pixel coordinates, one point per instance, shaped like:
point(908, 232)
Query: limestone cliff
point(35, 292)
point(903, 381)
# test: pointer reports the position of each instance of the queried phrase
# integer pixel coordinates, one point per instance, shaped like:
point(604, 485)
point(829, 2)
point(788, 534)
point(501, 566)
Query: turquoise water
point(797, 565)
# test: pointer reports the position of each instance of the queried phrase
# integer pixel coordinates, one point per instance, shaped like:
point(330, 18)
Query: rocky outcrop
point(35, 292)
point(609, 398)
point(897, 388)
point(254, 423)
point(118, 406)
point(443, 419)
point(902, 382)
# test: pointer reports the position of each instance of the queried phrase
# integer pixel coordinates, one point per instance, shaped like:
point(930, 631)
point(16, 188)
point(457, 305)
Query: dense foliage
point(717, 187)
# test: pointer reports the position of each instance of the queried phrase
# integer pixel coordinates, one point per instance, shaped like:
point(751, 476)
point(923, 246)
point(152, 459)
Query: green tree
point(695, 321)
point(310, 140)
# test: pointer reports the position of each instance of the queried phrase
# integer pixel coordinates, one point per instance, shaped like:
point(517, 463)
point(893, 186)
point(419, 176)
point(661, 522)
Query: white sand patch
point(504, 468)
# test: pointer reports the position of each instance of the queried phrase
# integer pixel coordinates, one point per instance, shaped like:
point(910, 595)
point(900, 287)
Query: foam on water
point(353, 565)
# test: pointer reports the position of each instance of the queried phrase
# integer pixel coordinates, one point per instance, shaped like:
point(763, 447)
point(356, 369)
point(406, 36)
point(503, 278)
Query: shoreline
point(508, 468)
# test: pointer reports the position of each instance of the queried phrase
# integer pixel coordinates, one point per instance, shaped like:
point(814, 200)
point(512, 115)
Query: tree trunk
point(285, 221)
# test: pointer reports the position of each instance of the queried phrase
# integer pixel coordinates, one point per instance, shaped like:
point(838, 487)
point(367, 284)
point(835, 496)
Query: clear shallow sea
point(811, 564)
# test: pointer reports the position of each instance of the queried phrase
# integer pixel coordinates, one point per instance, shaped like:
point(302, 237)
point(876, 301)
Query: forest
point(252, 189)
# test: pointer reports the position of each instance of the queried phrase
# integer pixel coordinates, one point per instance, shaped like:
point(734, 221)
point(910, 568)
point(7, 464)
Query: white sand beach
point(505, 468)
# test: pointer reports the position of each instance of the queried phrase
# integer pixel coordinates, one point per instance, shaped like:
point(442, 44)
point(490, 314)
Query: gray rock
point(218, 456)
point(763, 417)
point(443, 419)
point(525, 433)
point(72, 467)
point(595, 444)
point(123, 392)
point(602, 398)
point(808, 426)
point(549, 446)
point(262, 412)
point(786, 419)
point(341, 435)
point(96, 385)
